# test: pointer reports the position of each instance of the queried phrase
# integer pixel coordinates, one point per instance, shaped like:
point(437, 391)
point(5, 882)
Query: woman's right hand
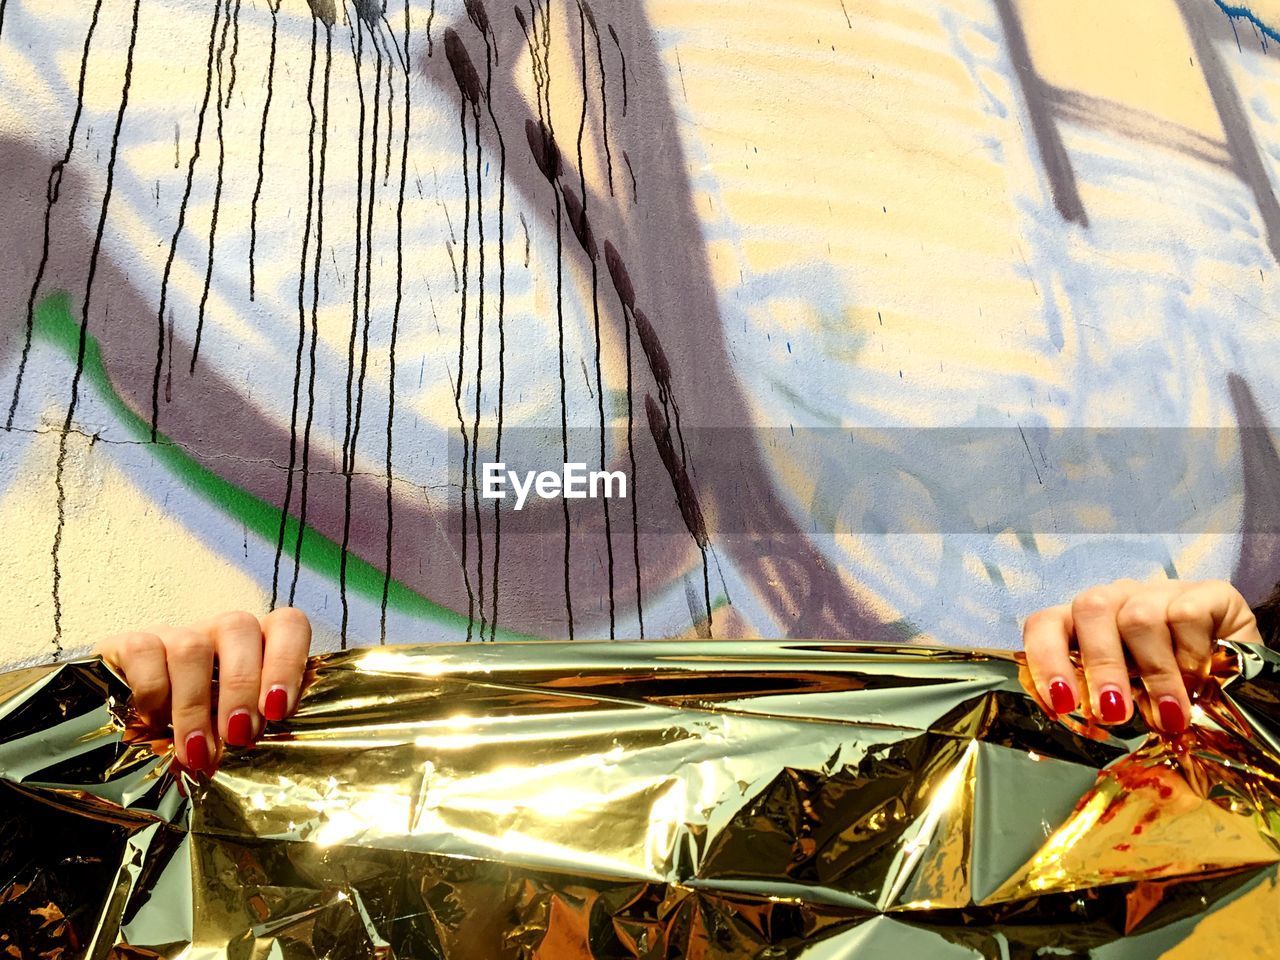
point(259, 663)
point(1165, 630)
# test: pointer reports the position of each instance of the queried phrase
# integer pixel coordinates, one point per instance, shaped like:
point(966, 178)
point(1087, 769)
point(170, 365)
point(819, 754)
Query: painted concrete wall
point(902, 318)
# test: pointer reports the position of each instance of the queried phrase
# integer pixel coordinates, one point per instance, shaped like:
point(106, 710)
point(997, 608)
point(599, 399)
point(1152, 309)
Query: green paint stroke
point(55, 325)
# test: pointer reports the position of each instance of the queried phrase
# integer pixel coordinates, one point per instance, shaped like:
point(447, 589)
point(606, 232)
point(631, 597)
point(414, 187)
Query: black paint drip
point(391, 98)
point(405, 59)
point(469, 89)
point(627, 298)
point(481, 20)
point(623, 57)
point(585, 10)
point(69, 422)
point(51, 199)
point(315, 299)
point(475, 427)
point(182, 219)
point(635, 480)
point(217, 199)
point(661, 369)
point(302, 318)
point(368, 286)
point(262, 140)
point(635, 190)
point(363, 260)
point(235, 50)
point(582, 229)
point(686, 499)
point(546, 154)
point(357, 53)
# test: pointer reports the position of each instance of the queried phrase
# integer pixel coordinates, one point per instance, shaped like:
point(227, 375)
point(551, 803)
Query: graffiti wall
point(900, 319)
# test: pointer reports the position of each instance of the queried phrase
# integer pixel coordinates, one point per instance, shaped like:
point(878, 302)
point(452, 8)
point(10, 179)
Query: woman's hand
point(171, 669)
point(1166, 629)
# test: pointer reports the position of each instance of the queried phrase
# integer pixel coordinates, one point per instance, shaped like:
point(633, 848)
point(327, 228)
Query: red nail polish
point(197, 753)
point(276, 706)
point(1111, 706)
point(240, 729)
point(1172, 719)
point(1061, 698)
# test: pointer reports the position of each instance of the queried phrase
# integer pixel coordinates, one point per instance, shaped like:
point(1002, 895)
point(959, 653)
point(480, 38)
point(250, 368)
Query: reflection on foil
point(677, 799)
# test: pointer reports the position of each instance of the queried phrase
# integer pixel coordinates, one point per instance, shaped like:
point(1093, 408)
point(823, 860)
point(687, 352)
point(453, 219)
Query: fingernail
point(197, 753)
point(1061, 698)
point(240, 729)
point(276, 706)
point(1172, 719)
point(1111, 705)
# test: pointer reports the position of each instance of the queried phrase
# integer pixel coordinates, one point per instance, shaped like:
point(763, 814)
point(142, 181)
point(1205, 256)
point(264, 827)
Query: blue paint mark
point(1262, 110)
point(788, 346)
point(1244, 13)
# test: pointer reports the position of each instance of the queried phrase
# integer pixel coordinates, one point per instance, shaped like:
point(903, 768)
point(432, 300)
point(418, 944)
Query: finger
point(1203, 613)
point(190, 662)
point(1094, 614)
point(1046, 636)
point(1145, 633)
point(237, 640)
point(140, 658)
point(1191, 623)
point(287, 639)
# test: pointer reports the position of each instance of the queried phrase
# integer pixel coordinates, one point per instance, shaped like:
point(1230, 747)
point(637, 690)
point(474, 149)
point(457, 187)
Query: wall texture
point(904, 318)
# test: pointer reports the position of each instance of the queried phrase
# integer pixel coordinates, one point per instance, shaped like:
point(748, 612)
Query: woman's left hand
point(1166, 629)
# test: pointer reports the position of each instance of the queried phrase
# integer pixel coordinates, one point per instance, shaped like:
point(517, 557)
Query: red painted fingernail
point(1172, 719)
point(1111, 705)
point(198, 753)
point(1061, 697)
point(276, 706)
point(240, 729)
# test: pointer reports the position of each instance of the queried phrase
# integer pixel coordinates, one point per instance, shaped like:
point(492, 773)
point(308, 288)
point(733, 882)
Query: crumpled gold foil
point(672, 799)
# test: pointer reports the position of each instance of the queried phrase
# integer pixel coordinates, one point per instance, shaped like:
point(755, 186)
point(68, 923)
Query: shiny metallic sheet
point(677, 799)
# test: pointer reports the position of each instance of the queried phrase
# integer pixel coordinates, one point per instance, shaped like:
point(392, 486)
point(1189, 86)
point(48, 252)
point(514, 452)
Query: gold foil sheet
point(644, 800)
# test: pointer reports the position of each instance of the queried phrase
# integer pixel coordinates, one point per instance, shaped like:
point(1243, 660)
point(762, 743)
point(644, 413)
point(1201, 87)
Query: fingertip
point(196, 752)
point(1061, 696)
point(1113, 705)
point(275, 705)
point(289, 619)
point(241, 728)
point(1173, 718)
point(287, 640)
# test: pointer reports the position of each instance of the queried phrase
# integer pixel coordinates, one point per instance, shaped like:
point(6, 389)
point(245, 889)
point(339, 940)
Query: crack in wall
point(194, 452)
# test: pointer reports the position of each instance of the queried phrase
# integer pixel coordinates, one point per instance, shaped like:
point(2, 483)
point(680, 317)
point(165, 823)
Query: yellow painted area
point(1135, 53)
point(128, 561)
point(1267, 10)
